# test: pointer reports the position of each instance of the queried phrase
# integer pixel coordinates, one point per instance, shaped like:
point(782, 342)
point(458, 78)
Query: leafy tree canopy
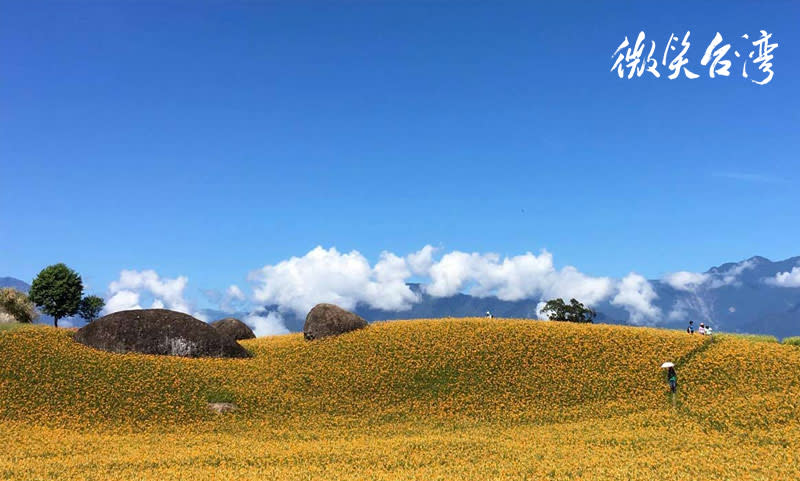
point(558, 310)
point(57, 290)
point(90, 307)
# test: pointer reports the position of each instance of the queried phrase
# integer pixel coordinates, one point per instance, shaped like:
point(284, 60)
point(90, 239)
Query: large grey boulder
point(326, 320)
point(233, 328)
point(158, 331)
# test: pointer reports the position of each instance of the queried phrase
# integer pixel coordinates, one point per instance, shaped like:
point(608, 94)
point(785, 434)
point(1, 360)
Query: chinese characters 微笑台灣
point(634, 60)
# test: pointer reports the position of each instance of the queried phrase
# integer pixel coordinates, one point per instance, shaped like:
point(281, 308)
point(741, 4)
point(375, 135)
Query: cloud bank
point(786, 279)
point(697, 288)
point(231, 300)
point(270, 324)
point(126, 292)
point(686, 281)
point(636, 295)
point(348, 279)
point(344, 279)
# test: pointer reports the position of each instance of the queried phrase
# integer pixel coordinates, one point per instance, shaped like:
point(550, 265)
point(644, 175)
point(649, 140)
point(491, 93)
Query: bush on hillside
point(16, 306)
point(558, 310)
point(792, 341)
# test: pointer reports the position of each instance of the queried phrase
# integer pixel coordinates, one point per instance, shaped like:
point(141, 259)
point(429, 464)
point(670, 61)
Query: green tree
point(90, 307)
point(57, 290)
point(17, 305)
point(558, 310)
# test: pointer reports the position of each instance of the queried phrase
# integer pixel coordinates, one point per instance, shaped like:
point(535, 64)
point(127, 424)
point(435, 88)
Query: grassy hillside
point(441, 368)
point(433, 399)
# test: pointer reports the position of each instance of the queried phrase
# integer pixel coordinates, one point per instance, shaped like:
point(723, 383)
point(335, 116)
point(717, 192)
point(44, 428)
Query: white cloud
point(421, 261)
point(234, 293)
point(540, 314)
point(346, 279)
point(698, 288)
point(269, 325)
point(568, 283)
point(679, 311)
point(450, 274)
point(686, 281)
point(636, 295)
point(231, 300)
point(125, 293)
point(786, 279)
point(731, 275)
point(513, 278)
point(122, 300)
point(323, 275)
point(693, 281)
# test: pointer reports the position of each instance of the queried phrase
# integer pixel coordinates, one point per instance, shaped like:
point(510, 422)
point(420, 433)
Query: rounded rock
point(157, 331)
point(326, 320)
point(233, 328)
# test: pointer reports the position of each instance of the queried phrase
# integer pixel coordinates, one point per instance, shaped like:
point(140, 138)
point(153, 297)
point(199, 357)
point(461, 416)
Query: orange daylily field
point(436, 399)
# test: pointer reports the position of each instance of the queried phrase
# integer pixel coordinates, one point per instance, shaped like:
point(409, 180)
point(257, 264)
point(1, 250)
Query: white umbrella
point(667, 364)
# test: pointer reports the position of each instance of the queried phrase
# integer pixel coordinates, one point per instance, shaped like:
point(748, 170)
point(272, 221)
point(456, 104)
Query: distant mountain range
point(15, 283)
point(734, 297)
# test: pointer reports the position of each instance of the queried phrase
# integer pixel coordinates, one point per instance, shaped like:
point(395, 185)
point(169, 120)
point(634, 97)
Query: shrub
point(16, 306)
point(792, 341)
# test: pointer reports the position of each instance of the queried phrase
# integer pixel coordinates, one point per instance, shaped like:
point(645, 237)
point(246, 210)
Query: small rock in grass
point(222, 408)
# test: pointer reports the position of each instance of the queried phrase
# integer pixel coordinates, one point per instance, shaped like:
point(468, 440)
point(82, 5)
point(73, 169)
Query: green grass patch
point(11, 326)
point(749, 337)
point(792, 341)
point(436, 382)
point(217, 395)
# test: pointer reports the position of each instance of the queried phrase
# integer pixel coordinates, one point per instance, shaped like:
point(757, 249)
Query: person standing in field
point(690, 329)
point(702, 329)
point(672, 379)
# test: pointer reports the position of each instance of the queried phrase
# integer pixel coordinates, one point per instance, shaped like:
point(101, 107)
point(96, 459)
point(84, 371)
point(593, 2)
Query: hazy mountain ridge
point(741, 303)
point(14, 283)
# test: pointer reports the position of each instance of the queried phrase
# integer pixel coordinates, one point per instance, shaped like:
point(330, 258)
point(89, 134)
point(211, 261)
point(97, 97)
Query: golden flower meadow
point(447, 399)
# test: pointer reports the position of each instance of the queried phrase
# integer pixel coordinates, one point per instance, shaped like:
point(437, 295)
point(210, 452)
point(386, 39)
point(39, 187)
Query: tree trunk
point(55, 321)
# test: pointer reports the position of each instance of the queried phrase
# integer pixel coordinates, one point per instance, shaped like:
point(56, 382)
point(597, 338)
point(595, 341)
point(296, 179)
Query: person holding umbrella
point(672, 377)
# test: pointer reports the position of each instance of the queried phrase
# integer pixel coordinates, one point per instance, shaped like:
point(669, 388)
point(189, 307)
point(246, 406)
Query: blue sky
point(208, 139)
